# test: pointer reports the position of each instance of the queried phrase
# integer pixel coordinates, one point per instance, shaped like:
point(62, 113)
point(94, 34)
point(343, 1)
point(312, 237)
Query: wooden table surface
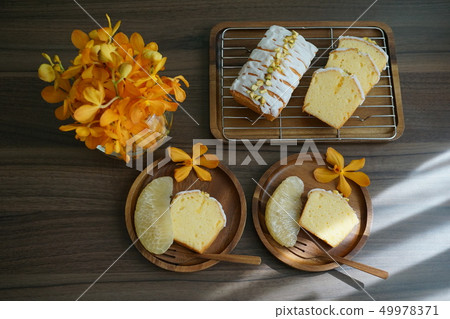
point(62, 205)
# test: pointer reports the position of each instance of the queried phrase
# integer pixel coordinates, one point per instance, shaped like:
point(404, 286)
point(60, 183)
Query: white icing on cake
point(342, 72)
point(324, 190)
point(210, 197)
point(318, 190)
point(358, 84)
point(283, 83)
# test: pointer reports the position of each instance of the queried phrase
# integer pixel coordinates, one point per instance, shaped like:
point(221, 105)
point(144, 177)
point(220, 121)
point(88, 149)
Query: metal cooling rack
point(229, 51)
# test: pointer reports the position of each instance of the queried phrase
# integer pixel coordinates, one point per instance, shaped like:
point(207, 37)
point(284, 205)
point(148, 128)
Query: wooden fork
point(179, 256)
point(308, 250)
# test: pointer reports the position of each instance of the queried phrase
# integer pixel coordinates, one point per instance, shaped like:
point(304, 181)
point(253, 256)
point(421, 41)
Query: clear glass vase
point(149, 139)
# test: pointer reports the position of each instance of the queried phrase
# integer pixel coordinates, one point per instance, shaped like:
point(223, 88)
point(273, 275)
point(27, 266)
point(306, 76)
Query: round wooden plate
point(359, 201)
point(224, 187)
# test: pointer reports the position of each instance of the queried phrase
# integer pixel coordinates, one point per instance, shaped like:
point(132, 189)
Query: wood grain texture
point(62, 206)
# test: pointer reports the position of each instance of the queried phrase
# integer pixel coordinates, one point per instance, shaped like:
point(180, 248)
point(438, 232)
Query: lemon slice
point(283, 211)
point(152, 218)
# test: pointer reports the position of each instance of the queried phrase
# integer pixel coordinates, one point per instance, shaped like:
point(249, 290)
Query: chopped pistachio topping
point(280, 53)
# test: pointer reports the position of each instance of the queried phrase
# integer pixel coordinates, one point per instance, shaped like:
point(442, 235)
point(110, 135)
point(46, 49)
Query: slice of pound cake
point(328, 216)
point(366, 46)
point(333, 96)
point(272, 72)
point(197, 219)
point(355, 62)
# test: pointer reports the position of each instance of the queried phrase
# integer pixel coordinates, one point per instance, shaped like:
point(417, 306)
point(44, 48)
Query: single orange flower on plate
point(326, 175)
point(199, 158)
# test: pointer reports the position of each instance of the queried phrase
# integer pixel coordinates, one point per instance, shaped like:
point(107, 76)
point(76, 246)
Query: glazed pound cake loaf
point(272, 72)
point(333, 96)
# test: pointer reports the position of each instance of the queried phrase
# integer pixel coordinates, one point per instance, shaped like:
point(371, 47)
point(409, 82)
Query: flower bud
point(46, 72)
point(125, 69)
point(155, 56)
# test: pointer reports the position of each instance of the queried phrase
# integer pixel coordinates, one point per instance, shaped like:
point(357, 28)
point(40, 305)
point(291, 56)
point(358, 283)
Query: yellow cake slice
point(358, 63)
point(376, 53)
point(197, 219)
point(333, 96)
point(328, 216)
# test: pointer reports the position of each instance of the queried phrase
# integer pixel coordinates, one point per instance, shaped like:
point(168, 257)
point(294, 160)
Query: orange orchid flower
point(326, 175)
point(112, 89)
point(199, 158)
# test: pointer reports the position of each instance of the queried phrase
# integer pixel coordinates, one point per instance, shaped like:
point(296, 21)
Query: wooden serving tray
point(232, 201)
point(359, 200)
point(379, 118)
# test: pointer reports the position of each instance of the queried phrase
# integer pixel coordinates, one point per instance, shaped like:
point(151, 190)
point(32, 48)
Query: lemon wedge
point(283, 211)
point(152, 218)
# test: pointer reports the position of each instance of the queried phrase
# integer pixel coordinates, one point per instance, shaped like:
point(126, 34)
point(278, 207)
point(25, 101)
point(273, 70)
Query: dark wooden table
point(62, 206)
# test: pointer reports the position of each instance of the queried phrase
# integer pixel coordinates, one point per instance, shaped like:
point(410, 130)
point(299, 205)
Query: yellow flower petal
point(117, 147)
point(93, 95)
point(96, 131)
point(209, 161)
point(157, 107)
point(355, 165)
point(108, 117)
point(71, 72)
point(202, 174)
point(92, 142)
point(64, 84)
point(109, 147)
point(335, 158)
point(137, 42)
point(177, 155)
point(62, 112)
point(109, 20)
point(116, 27)
point(159, 66)
point(88, 73)
point(152, 46)
point(180, 94)
point(52, 95)
point(104, 34)
point(343, 186)
point(198, 150)
point(93, 35)
point(359, 178)
point(182, 172)
point(106, 52)
point(85, 113)
point(182, 79)
point(121, 38)
point(46, 73)
point(69, 127)
point(79, 39)
point(324, 175)
point(83, 131)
